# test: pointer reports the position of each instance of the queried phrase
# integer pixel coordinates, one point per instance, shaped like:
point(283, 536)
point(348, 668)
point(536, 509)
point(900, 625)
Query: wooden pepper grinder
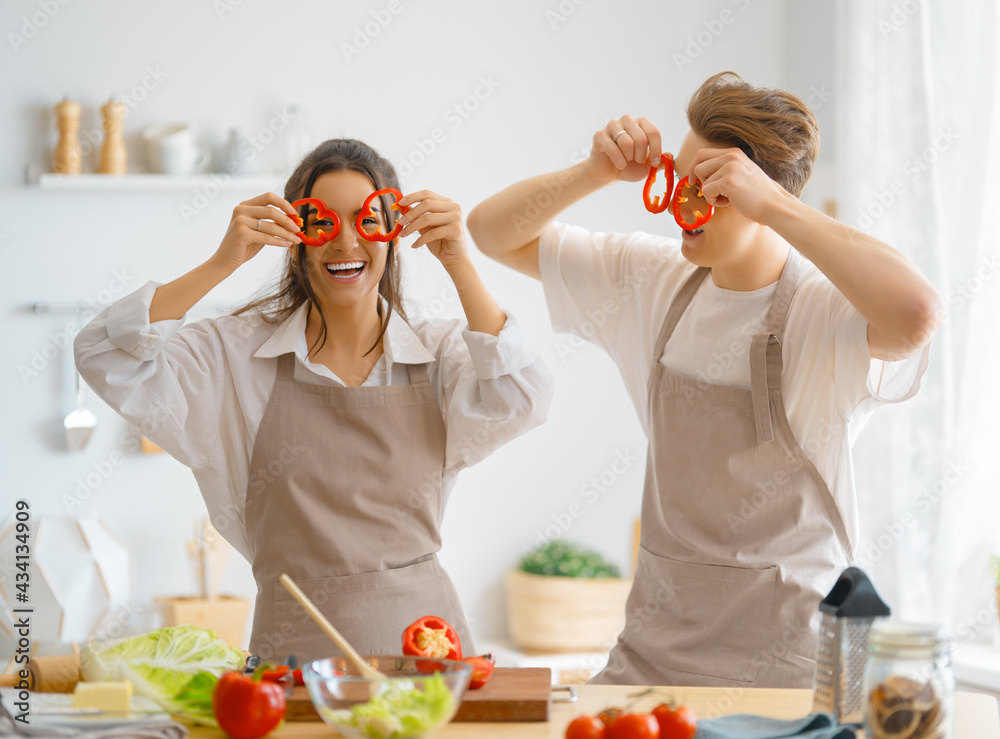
point(68, 158)
point(114, 157)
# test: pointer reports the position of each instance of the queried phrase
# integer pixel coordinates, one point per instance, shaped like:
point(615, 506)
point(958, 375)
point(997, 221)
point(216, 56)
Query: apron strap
point(418, 373)
point(286, 366)
point(677, 308)
point(765, 349)
point(765, 378)
point(782, 299)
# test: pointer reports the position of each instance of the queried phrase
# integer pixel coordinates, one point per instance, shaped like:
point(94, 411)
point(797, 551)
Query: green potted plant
point(565, 597)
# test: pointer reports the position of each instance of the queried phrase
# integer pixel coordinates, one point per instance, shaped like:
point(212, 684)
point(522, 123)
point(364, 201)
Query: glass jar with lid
point(909, 682)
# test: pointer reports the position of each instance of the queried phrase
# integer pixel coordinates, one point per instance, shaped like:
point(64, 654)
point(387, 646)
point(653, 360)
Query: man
point(751, 368)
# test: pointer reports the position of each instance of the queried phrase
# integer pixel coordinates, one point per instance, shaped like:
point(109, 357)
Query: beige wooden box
point(565, 614)
point(225, 615)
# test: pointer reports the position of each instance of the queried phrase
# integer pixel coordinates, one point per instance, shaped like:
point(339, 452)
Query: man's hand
point(625, 150)
point(728, 176)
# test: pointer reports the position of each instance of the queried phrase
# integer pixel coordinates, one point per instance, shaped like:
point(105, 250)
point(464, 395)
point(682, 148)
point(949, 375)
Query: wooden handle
point(364, 668)
point(10, 680)
point(58, 674)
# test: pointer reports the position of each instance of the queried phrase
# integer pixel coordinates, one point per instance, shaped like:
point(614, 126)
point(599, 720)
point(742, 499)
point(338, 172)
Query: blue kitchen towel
point(746, 726)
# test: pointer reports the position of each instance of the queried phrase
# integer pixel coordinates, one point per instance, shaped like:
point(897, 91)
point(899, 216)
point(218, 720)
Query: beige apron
point(345, 495)
point(740, 538)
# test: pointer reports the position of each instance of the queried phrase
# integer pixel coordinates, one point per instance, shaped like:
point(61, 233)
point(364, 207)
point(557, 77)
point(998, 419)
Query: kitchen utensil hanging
point(81, 422)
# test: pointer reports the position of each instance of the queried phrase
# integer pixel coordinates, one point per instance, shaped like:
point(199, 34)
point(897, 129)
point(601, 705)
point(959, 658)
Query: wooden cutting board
point(512, 694)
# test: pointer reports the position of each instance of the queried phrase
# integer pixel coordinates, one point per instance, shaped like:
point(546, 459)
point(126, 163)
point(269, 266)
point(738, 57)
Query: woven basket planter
point(565, 614)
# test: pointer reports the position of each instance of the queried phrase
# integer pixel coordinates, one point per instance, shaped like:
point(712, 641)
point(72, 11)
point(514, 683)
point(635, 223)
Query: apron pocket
point(699, 618)
point(370, 609)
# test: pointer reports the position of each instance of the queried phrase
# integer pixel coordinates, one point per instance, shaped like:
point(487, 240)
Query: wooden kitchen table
point(976, 715)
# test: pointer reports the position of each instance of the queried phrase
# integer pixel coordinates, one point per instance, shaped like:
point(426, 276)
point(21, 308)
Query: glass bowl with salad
point(417, 695)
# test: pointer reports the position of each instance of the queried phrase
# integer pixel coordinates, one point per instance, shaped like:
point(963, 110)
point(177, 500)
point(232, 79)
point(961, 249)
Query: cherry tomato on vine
point(610, 714)
point(585, 727)
point(634, 726)
point(675, 723)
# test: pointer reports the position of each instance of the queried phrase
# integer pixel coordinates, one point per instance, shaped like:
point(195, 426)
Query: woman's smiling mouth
point(347, 270)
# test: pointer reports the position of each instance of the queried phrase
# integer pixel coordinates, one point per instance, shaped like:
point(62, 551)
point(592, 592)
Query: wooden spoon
point(364, 668)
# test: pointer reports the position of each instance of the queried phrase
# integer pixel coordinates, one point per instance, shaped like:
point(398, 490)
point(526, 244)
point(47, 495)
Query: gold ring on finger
point(614, 139)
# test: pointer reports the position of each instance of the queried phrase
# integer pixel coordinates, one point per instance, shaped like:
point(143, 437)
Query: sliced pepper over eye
point(691, 209)
point(375, 233)
point(322, 213)
point(659, 203)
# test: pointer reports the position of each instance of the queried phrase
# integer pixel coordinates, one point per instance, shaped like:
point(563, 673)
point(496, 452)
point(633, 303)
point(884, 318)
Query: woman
point(749, 369)
point(324, 428)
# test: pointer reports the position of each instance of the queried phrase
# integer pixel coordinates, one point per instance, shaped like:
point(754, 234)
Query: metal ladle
point(81, 422)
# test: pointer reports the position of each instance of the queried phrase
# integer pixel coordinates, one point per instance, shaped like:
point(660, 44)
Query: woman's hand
point(438, 220)
point(627, 156)
point(243, 240)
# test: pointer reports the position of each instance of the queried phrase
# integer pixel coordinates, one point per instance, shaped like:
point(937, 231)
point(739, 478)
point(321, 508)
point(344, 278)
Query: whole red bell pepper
point(322, 212)
point(659, 203)
point(247, 707)
point(686, 192)
point(432, 636)
point(366, 212)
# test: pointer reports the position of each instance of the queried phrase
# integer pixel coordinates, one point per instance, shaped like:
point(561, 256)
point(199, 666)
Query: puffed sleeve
point(492, 389)
point(165, 378)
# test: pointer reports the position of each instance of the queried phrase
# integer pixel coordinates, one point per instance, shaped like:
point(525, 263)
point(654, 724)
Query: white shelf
point(152, 182)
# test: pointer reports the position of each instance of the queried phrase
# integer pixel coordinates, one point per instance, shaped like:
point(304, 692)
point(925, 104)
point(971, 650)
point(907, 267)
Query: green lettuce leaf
point(400, 709)
point(172, 666)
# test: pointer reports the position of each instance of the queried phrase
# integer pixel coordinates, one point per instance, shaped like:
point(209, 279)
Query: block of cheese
point(113, 697)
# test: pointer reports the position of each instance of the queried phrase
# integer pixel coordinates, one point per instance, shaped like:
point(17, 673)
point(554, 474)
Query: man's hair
point(772, 127)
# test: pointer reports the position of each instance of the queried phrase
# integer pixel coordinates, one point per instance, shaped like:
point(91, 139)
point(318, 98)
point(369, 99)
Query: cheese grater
point(847, 615)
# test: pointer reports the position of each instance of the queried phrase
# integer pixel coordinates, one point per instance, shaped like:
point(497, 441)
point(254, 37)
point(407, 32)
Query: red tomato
point(482, 668)
point(634, 726)
point(246, 708)
point(675, 724)
point(585, 727)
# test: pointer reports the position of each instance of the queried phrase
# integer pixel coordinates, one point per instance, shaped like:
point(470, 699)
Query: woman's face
point(345, 271)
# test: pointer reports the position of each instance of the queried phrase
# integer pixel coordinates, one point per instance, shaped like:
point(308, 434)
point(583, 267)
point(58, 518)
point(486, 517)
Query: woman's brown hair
point(773, 128)
point(294, 288)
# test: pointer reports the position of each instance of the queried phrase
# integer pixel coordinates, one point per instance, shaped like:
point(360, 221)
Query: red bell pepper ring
point(433, 637)
point(322, 212)
point(659, 203)
point(482, 668)
point(366, 212)
point(688, 197)
point(279, 673)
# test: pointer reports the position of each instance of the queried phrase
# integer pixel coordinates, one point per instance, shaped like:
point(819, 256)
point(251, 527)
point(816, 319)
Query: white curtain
point(918, 163)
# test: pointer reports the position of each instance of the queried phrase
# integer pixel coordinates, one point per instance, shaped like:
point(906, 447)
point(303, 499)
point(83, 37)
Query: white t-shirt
point(615, 289)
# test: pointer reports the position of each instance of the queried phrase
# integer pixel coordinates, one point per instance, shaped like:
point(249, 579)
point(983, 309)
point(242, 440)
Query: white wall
point(556, 72)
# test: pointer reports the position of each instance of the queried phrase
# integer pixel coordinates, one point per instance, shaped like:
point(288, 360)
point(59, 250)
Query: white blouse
point(199, 390)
